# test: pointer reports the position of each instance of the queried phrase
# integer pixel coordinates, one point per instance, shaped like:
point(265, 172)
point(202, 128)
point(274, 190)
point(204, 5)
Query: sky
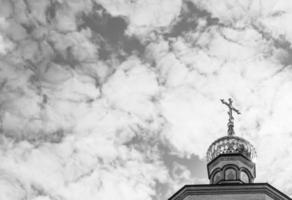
point(120, 99)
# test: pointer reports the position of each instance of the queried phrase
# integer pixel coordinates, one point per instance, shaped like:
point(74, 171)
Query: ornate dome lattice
point(231, 145)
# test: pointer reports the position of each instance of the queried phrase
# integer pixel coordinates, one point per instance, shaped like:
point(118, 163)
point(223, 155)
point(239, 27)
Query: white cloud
point(144, 16)
point(131, 89)
point(10, 187)
point(5, 45)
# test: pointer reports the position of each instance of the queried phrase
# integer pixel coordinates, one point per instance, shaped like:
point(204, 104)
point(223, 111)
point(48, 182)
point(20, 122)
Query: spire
point(230, 123)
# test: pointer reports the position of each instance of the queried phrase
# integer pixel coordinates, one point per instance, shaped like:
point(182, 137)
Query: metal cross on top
point(231, 119)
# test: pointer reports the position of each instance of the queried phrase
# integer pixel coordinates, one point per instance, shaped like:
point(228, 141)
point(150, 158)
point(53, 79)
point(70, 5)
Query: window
point(244, 177)
point(230, 174)
point(217, 177)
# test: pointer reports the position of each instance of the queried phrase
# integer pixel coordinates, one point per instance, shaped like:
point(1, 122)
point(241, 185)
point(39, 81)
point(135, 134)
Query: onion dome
point(231, 145)
point(230, 158)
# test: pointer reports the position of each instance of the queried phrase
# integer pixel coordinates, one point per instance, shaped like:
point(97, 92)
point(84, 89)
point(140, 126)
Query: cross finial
point(231, 119)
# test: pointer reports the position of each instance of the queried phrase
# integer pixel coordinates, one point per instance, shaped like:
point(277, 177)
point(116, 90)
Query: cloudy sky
point(119, 99)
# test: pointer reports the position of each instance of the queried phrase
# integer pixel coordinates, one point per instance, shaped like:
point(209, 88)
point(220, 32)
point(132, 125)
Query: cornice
point(207, 189)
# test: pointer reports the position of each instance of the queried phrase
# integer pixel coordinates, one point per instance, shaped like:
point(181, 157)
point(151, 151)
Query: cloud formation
point(120, 99)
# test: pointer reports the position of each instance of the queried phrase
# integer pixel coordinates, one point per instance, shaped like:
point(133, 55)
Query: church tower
point(230, 158)
point(231, 171)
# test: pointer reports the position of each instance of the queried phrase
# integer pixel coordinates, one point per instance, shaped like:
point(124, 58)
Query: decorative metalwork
point(230, 123)
point(231, 145)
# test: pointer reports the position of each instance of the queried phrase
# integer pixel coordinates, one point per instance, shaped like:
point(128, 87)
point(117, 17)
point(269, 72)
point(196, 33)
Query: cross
point(230, 121)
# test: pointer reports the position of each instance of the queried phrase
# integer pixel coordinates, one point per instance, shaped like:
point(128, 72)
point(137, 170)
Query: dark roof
point(250, 188)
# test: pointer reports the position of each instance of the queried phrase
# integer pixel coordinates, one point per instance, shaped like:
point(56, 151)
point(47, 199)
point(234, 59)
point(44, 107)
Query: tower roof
point(231, 145)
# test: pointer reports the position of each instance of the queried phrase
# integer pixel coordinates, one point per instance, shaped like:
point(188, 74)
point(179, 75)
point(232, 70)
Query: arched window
point(217, 177)
point(244, 177)
point(230, 174)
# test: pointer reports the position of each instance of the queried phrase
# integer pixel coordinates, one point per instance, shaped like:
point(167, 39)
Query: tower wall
point(233, 168)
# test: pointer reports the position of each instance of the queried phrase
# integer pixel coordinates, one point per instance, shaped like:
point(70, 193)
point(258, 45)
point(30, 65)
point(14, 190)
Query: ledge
point(251, 188)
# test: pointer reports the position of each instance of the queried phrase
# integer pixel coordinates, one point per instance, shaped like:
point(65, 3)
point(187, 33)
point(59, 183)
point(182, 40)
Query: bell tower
point(230, 158)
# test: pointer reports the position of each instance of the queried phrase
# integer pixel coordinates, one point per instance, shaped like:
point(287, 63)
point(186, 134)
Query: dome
point(230, 145)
